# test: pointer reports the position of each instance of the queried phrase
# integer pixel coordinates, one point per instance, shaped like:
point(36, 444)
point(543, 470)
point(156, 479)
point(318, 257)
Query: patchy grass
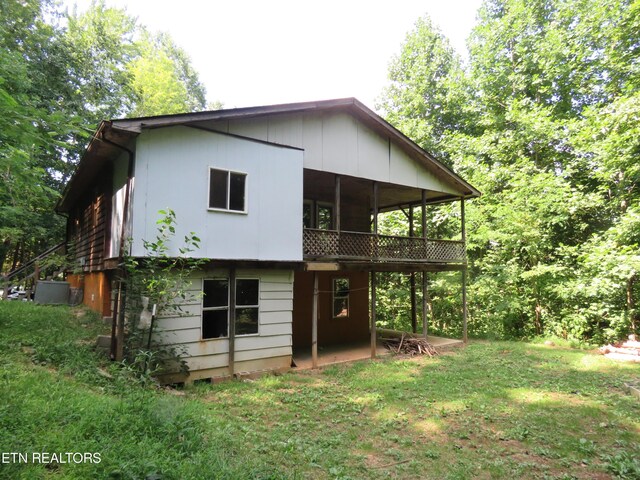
point(491, 410)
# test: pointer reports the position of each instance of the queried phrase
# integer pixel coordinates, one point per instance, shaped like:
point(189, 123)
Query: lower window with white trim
point(215, 307)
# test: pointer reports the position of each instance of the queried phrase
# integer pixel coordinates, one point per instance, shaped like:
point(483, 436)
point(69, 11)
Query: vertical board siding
point(274, 338)
point(174, 163)
point(340, 143)
point(88, 226)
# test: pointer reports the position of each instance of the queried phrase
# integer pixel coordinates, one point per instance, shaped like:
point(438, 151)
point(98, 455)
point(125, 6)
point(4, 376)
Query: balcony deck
point(332, 245)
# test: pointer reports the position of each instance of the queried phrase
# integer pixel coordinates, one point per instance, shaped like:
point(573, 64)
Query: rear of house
point(285, 199)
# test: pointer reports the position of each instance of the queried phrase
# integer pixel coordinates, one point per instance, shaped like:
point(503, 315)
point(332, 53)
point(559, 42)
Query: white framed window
point(317, 215)
point(227, 190)
point(324, 216)
point(247, 306)
point(340, 298)
point(215, 307)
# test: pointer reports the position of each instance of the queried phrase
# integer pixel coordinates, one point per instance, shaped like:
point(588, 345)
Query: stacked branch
point(409, 345)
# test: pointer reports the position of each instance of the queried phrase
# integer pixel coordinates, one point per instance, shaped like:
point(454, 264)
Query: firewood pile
point(408, 345)
point(628, 351)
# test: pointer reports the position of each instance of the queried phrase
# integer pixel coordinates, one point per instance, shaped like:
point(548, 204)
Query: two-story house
point(285, 199)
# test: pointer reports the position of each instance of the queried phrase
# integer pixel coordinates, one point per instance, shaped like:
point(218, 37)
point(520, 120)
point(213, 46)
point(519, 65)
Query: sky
point(253, 52)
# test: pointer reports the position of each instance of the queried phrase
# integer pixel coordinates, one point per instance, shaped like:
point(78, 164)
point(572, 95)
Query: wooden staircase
point(29, 273)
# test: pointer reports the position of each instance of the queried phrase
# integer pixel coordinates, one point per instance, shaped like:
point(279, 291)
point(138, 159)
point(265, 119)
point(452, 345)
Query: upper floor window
point(227, 190)
point(317, 215)
point(325, 216)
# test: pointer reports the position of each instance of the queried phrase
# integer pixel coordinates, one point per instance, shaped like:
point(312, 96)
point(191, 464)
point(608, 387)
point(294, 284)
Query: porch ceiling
point(320, 186)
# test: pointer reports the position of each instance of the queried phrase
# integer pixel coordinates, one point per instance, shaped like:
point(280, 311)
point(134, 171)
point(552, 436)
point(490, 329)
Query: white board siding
point(120, 173)
point(285, 131)
point(200, 368)
point(263, 353)
point(311, 141)
point(340, 145)
point(277, 306)
point(274, 338)
point(173, 166)
point(193, 335)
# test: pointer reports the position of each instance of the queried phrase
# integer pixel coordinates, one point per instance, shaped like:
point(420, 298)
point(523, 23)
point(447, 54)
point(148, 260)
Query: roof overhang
point(349, 105)
point(106, 144)
point(111, 136)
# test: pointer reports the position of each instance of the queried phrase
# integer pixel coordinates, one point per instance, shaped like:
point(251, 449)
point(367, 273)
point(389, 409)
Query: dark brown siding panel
point(88, 227)
point(331, 330)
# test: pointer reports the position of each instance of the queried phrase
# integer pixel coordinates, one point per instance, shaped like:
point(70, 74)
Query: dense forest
point(543, 117)
point(61, 73)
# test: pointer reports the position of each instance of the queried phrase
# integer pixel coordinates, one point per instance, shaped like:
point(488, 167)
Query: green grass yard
point(490, 410)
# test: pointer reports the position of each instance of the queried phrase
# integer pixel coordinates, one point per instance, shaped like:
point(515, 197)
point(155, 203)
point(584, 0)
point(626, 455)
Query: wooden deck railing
point(331, 244)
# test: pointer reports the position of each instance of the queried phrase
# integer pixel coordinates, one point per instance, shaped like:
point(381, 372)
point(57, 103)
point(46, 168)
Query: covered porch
point(343, 250)
point(353, 352)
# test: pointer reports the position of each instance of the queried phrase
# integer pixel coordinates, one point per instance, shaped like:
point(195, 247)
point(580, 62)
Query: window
point(307, 214)
point(215, 307)
point(325, 217)
point(340, 297)
point(227, 190)
point(317, 215)
point(247, 295)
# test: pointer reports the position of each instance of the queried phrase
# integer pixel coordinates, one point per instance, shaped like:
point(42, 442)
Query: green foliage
point(546, 127)
point(158, 280)
point(535, 412)
point(426, 96)
point(57, 81)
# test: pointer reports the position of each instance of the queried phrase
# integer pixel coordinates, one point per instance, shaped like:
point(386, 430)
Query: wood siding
point(273, 341)
point(331, 330)
point(172, 171)
point(87, 227)
point(339, 143)
point(96, 289)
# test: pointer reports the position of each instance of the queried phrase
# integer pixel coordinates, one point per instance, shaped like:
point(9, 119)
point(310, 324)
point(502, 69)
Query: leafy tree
point(547, 128)
point(162, 79)
point(32, 127)
point(427, 95)
point(56, 84)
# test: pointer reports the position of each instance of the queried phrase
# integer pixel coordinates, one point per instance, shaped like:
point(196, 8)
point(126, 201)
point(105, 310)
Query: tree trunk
point(16, 252)
point(631, 304)
point(538, 321)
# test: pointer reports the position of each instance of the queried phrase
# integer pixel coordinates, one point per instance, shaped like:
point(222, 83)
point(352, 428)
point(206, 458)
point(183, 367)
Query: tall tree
point(56, 84)
point(162, 79)
point(427, 95)
point(546, 127)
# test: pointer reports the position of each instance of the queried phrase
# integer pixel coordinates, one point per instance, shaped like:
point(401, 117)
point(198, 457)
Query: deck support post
point(423, 214)
point(373, 315)
point(120, 326)
point(232, 321)
point(464, 274)
point(463, 228)
point(412, 281)
point(314, 323)
point(337, 203)
point(464, 305)
point(425, 305)
point(425, 279)
point(375, 208)
point(373, 275)
point(114, 325)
